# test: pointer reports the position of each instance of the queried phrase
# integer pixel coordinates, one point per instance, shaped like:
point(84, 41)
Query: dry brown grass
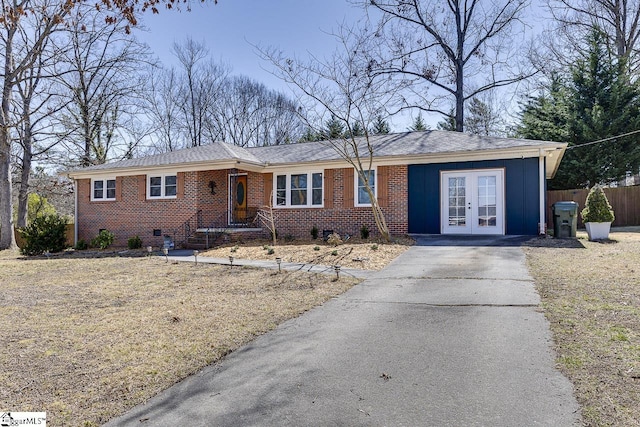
point(354, 253)
point(86, 339)
point(591, 296)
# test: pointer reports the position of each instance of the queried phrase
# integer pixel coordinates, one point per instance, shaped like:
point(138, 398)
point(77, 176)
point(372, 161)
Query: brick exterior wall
point(341, 216)
point(132, 214)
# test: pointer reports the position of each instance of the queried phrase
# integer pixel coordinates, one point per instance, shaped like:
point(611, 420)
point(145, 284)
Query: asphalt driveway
point(450, 334)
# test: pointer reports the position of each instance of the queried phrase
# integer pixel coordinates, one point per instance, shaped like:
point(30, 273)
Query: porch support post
point(543, 207)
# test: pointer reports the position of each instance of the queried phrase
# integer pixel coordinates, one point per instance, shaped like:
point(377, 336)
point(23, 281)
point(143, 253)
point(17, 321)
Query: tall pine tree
point(598, 101)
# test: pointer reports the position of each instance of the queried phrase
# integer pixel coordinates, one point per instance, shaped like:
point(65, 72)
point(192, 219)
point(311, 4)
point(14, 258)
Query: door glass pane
point(487, 201)
point(457, 202)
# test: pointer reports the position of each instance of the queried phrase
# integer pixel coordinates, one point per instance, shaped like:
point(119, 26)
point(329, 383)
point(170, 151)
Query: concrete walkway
point(449, 334)
point(185, 255)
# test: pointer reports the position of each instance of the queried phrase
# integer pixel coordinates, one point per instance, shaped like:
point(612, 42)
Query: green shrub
point(103, 240)
point(271, 251)
point(364, 232)
point(374, 247)
point(235, 249)
point(134, 243)
point(334, 253)
point(597, 207)
point(45, 233)
point(316, 248)
point(81, 245)
point(314, 232)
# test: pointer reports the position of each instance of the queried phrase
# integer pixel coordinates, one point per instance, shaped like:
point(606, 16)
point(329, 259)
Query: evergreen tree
point(357, 129)
point(449, 123)
point(482, 119)
point(598, 101)
point(546, 117)
point(380, 126)
point(309, 135)
point(333, 129)
point(418, 124)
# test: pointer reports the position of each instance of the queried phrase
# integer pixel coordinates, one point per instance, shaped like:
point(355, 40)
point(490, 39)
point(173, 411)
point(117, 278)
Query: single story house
point(428, 182)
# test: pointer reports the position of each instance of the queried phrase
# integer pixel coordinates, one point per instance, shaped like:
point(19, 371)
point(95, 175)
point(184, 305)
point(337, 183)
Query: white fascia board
point(455, 156)
point(167, 169)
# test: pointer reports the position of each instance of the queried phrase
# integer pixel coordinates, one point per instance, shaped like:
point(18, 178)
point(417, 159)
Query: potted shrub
point(597, 214)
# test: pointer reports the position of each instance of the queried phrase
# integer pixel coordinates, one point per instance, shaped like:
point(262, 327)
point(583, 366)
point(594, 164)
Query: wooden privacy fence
point(625, 202)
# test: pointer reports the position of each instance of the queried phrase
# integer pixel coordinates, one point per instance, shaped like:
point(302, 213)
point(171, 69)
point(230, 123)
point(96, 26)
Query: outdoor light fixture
point(195, 255)
point(279, 260)
point(149, 250)
point(337, 270)
point(231, 261)
point(166, 253)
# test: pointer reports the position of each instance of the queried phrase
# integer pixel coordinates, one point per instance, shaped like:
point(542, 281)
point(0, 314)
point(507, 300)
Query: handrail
point(188, 228)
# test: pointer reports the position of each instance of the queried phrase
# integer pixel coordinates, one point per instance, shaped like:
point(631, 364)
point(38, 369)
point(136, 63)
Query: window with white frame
point(299, 189)
point(362, 196)
point(162, 186)
point(103, 189)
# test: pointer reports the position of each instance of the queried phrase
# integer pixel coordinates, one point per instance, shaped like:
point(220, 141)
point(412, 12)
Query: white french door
point(472, 202)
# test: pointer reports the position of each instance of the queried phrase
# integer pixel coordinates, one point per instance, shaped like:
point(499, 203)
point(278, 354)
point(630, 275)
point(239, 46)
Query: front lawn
point(591, 295)
point(85, 339)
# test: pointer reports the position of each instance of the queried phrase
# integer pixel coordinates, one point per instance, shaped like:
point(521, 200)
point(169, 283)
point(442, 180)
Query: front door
point(238, 198)
point(472, 202)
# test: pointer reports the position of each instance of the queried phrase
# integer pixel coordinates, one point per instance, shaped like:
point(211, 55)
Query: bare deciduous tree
point(618, 19)
point(101, 73)
point(446, 53)
point(343, 88)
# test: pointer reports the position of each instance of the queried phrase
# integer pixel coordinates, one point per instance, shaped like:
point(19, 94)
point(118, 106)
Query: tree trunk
point(23, 192)
point(459, 96)
point(7, 239)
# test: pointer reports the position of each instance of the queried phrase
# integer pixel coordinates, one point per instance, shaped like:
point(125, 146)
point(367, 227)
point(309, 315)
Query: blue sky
point(231, 27)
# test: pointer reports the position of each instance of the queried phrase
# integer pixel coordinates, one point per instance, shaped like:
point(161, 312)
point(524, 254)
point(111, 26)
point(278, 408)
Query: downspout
point(543, 208)
point(75, 212)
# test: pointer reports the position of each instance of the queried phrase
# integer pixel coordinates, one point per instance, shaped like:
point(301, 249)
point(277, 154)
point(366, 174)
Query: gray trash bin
point(565, 219)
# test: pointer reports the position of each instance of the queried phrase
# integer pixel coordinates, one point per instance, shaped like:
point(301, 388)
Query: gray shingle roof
point(400, 144)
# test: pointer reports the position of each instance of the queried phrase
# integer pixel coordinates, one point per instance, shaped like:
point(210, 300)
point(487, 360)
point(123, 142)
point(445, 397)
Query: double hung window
point(103, 189)
point(299, 189)
point(362, 196)
point(162, 186)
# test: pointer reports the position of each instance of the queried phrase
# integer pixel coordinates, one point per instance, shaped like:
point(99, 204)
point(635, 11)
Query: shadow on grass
point(550, 242)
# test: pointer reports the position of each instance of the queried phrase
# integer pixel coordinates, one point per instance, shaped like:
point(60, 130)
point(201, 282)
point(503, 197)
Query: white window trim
point(288, 204)
point(163, 186)
point(104, 189)
point(355, 187)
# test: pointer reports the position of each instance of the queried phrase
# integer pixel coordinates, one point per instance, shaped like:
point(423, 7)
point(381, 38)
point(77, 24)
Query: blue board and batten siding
point(522, 194)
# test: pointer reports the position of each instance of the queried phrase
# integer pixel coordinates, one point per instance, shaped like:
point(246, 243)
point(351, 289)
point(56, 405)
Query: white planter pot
point(598, 230)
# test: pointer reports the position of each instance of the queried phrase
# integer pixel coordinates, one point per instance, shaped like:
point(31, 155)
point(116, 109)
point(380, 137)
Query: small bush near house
point(45, 233)
point(316, 248)
point(374, 247)
point(134, 243)
point(235, 249)
point(314, 232)
point(289, 238)
point(334, 253)
point(81, 245)
point(271, 251)
point(334, 239)
point(103, 240)
point(364, 232)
